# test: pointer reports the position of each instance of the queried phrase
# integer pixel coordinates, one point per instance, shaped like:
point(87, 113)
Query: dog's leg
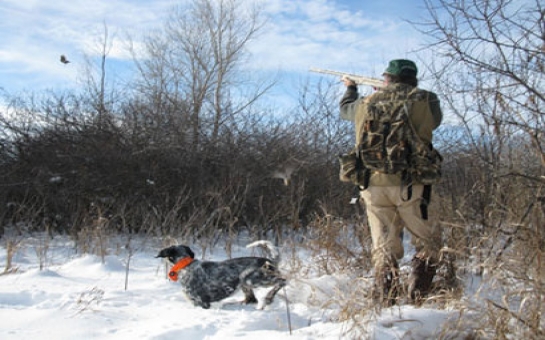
point(272, 293)
point(200, 301)
point(249, 296)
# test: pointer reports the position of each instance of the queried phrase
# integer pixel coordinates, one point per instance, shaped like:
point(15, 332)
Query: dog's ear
point(190, 252)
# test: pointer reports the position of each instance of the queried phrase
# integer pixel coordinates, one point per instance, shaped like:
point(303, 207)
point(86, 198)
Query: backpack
point(387, 142)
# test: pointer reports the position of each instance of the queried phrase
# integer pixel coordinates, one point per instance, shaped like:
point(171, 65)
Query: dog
point(204, 282)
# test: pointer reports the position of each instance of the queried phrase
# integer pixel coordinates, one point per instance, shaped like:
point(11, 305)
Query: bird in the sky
point(64, 60)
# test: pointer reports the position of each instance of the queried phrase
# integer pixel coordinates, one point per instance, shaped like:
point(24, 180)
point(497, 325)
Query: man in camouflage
point(388, 207)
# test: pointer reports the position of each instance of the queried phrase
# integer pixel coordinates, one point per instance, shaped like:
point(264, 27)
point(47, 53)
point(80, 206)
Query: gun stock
point(360, 80)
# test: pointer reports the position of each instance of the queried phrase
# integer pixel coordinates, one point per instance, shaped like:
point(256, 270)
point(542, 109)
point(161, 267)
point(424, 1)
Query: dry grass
point(494, 280)
point(506, 266)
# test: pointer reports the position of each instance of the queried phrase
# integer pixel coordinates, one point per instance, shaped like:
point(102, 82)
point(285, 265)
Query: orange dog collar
point(173, 273)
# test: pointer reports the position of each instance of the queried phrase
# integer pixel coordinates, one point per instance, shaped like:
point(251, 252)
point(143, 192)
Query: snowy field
point(77, 296)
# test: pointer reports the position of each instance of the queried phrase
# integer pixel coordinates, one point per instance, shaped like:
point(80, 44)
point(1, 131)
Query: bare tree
point(194, 64)
point(95, 77)
point(494, 63)
point(489, 67)
point(488, 64)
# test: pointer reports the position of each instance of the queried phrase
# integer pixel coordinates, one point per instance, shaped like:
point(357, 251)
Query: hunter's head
point(401, 71)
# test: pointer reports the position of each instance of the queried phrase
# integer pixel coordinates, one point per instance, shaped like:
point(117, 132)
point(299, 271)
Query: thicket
point(191, 149)
point(63, 168)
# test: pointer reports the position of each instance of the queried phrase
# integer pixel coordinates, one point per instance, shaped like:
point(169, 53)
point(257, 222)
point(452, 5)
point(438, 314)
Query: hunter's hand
point(348, 82)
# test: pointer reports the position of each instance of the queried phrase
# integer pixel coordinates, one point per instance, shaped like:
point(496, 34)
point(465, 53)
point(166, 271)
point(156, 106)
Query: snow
point(78, 296)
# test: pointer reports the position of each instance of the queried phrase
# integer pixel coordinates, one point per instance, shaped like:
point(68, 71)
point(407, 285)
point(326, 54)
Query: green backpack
point(388, 142)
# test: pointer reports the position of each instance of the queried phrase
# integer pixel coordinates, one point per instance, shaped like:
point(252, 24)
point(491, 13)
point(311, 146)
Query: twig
point(288, 309)
point(514, 315)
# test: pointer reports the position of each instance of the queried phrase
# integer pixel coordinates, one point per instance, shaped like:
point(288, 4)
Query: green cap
point(401, 67)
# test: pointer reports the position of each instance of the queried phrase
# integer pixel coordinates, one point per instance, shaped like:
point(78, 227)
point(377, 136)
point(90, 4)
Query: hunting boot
point(387, 284)
point(421, 277)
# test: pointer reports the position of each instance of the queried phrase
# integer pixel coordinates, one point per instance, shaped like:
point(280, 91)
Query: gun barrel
point(360, 80)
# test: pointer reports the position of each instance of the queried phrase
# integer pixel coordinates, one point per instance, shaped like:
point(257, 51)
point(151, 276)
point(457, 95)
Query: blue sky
point(357, 36)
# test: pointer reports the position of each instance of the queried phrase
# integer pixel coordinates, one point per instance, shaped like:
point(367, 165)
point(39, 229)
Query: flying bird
point(64, 60)
point(285, 171)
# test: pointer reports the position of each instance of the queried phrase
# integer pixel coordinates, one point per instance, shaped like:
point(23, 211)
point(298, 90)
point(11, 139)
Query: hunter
point(393, 201)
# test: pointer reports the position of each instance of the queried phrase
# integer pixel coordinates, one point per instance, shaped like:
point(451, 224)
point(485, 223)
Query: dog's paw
point(249, 301)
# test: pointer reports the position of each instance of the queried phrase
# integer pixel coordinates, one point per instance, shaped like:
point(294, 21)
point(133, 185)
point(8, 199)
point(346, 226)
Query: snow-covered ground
point(77, 296)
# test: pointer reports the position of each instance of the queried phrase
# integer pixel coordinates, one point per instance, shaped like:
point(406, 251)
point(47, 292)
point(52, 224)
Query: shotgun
point(360, 80)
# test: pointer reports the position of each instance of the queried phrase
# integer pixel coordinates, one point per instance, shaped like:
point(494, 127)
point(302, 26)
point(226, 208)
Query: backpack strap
point(406, 180)
point(426, 199)
point(366, 178)
point(406, 177)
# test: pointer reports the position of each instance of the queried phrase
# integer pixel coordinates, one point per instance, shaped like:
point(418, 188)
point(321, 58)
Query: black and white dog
point(206, 281)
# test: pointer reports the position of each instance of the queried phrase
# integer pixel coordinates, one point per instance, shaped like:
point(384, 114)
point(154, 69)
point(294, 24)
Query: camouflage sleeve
point(348, 103)
point(435, 107)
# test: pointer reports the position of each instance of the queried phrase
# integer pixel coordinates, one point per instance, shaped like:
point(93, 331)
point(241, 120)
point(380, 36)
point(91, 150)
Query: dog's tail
point(272, 252)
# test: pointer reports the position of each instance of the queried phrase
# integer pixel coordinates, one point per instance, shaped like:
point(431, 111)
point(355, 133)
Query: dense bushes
point(61, 171)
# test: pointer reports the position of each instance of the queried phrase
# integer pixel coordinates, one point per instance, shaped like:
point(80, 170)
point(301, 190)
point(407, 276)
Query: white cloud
point(324, 33)
point(345, 34)
point(38, 32)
